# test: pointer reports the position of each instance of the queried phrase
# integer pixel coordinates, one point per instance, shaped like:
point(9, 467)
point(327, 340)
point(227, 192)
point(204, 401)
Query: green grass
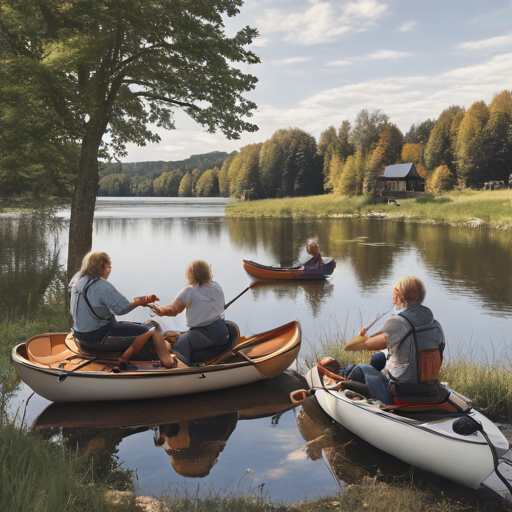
point(493, 209)
point(44, 476)
point(487, 382)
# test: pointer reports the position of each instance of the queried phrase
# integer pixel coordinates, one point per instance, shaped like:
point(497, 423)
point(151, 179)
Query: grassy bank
point(469, 207)
point(487, 382)
point(31, 204)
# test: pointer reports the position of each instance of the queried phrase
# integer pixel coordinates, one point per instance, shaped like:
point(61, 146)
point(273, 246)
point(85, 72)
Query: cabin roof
point(402, 171)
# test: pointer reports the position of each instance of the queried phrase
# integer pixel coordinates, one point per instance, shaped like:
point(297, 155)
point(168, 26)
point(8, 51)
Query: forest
point(461, 148)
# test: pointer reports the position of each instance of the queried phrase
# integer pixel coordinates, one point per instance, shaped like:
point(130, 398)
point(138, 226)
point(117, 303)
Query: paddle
point(356, 340)
point(239, 295)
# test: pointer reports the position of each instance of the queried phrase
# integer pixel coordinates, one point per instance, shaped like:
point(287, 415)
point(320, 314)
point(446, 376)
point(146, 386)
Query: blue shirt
point(103, 297)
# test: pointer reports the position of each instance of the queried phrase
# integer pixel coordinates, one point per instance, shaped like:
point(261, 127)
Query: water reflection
point(315, 293)
point(29, 262)
point(192, 429)
point(475, 263)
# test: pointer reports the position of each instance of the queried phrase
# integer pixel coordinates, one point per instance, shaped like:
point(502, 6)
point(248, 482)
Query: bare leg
point(137, 345)
point(162, 349)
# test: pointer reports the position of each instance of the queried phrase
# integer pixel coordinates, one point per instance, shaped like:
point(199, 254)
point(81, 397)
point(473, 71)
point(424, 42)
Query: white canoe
point(53, 366)
point(426, 441)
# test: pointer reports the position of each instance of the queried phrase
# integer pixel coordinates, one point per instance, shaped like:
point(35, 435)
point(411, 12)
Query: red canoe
point(264, 272)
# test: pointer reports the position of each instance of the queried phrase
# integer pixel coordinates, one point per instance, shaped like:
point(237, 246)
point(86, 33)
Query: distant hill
point(155, 168)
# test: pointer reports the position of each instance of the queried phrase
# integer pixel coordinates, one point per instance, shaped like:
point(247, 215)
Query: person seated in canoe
point(315, 262)
point(94, 304)
point(203, 300)
point(415, 342)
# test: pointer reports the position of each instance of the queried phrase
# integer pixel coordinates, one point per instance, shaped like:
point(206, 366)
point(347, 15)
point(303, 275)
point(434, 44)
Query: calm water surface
point(467, 273)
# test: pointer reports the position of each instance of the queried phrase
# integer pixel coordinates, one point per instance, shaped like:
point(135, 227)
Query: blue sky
point(322, 61)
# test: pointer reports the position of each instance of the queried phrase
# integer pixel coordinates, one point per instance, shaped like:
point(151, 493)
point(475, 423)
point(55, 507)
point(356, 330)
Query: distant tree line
point(461, 148)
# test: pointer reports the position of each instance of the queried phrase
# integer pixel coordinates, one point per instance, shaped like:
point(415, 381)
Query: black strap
point(84, 295)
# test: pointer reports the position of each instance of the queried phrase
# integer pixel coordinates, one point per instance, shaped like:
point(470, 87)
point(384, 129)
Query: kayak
point(427, 437)
point(264, 272)
point(57, 369)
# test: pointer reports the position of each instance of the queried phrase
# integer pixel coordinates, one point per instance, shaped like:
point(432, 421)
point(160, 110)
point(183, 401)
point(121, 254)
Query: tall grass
point(42, 476)
point(486, 381)
point(493, 209)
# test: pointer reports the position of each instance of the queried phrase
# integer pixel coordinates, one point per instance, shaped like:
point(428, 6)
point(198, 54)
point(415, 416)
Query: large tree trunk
point(84, 197)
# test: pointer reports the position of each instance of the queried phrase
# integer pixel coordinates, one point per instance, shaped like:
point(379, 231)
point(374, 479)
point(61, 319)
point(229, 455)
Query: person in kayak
point(415, 343)
point(203, 300)
point(315, 262)
point(94, 304)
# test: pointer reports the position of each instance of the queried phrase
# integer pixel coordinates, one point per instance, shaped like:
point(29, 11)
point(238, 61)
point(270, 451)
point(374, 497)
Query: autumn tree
point(168, 183)
point(223, 175)
point(244, 173)
point(413, 153)
point(442, 179)
point(115, 67)
point(186, 185)
point(208, 184)
point(419, 133)
point(440, 146)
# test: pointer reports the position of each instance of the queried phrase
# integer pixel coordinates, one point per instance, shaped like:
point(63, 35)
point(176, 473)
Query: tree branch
point(167, 100)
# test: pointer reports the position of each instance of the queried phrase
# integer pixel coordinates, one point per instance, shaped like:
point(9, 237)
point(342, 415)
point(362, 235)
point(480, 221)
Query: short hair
point(199, 272)
point(411, 289)
point(92, 263)
point(312, 241)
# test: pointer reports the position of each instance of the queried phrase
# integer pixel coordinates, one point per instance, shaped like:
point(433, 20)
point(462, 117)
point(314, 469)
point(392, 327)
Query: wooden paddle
point(240, 294)
point(360, 338)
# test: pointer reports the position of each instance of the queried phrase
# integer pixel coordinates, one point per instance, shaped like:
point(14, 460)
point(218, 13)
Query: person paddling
point(94, 304)
point(415, 343)
point(315, 262)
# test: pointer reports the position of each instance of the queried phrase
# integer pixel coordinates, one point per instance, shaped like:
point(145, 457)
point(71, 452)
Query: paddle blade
point(355, 342)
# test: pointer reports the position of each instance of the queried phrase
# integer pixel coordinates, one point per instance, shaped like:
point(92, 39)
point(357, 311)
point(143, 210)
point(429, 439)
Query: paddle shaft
point(238, 296)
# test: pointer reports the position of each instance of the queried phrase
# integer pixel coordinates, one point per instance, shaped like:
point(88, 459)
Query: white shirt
point(204, 303)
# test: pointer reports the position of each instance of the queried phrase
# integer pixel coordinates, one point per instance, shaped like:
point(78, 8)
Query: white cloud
point(404, 99)
point(378, 55)
point(293, 60)
point(487, 44)
point(407, 26)
point(339, 63)
point(260, 41)
point(323, 21)
point(386, 54)
point(299, 454)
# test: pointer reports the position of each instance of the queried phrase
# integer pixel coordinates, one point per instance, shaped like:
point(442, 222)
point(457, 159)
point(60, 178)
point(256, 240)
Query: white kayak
point(55, 368)
point(423, 439)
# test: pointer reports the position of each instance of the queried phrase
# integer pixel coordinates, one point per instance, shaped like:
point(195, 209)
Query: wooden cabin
point(400, 178)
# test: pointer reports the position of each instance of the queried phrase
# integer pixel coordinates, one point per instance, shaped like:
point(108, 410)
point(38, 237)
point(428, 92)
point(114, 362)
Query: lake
point(467, 273)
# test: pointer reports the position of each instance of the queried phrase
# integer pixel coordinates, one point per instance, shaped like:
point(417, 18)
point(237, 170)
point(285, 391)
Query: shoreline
point(474, 209)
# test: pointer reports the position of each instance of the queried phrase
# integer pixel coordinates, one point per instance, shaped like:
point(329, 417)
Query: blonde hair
point(198, 272)
point(93, 263)
point(411, 289)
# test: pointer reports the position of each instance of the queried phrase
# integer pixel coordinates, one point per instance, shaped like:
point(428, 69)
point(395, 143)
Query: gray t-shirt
point(395, 329)
point(103, 297)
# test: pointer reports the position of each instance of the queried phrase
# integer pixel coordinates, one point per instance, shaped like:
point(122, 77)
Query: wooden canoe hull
point(289, 273)
point(262, 356)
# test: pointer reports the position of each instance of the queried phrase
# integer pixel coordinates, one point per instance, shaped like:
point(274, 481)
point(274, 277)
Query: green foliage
point(208, 184)
point(244, 173)
point(440, 146)
point(167, 184)
point(419, 134)
point(114, 185)
point(367, 128)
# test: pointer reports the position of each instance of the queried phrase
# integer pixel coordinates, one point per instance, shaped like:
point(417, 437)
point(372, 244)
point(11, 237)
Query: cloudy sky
point(322, 61)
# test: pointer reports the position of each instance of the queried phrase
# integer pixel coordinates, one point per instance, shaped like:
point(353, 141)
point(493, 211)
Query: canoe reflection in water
point(193, 429)
point(194, 446)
